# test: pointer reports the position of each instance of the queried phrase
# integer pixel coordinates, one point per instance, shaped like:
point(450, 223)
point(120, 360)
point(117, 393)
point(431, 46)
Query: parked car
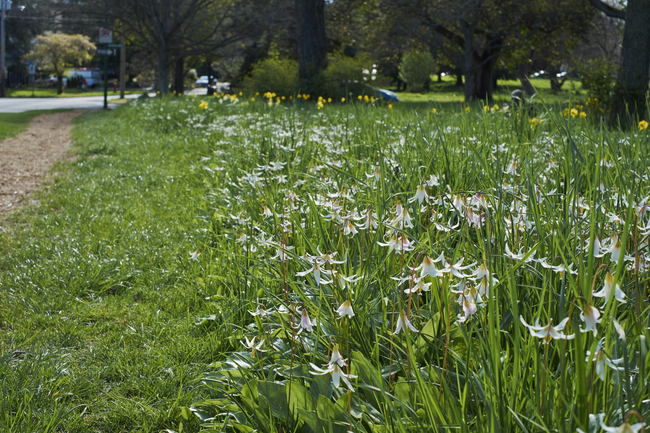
point(204, 81)
point(91, 76)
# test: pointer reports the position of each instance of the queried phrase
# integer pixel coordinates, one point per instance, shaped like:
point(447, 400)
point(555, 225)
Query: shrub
point(345, 74)
point(275, 75)
point(416, 69)
point(597, 78)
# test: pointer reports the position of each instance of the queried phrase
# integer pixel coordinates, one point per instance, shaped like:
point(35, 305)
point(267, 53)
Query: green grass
point(447, 91)
point(50, 92)
point(12, 124)
point(110, 323)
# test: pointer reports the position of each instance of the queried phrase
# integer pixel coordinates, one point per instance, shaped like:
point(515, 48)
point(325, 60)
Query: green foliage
point(129, 295)
point(56, 51)
point(597, 78)
point(416, 69)
point(276, 75)
point(345, 75)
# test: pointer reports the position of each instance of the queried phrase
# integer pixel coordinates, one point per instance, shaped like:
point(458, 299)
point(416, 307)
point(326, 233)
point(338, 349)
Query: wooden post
point(122, 67)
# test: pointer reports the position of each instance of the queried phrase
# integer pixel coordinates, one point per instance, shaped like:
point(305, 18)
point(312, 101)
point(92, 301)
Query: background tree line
point(476, 40)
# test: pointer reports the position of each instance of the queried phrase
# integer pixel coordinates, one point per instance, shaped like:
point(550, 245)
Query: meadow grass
point(167, 278)
point(12, 124)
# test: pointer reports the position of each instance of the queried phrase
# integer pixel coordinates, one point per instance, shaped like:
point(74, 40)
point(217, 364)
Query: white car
point(91, 76)
point(203, 81)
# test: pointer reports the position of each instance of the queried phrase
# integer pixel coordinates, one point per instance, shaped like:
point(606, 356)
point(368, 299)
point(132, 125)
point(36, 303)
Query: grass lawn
point(231, 265)
point(50, 92)
point(12, 124)
point(448, 92)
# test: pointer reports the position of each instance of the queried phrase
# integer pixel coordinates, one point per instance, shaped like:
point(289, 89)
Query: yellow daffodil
point(203, 105)
point(434, 111)
point(574, 112)
point(467, 109)
point(643, 125)
point(390, 106)
point(583, 114)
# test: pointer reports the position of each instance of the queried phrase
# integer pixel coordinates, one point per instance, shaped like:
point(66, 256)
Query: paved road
point(18, 105)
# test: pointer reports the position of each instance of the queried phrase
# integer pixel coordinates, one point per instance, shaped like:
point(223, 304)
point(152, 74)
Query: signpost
point(105, 38)
point(32, 72)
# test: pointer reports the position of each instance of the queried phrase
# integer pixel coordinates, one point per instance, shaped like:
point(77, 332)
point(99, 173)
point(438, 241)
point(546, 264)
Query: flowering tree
point(56, 51)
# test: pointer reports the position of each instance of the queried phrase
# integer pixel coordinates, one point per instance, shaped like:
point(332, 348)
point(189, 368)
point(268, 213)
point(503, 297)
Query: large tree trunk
point(468, 58)
point(312, 57)
point(162, 73)
point(59, 84)
point(179, 76)
point(632, 84)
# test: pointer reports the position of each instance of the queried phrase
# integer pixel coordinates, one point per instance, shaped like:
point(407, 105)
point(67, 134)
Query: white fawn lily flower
point(316, 268)
point(369, 220)
point(455, 268)
point(266, 212)
point(623, 428)
point(403, 323)
point(601, 360)
point(250, 345)
point(591, 316)
point(484, 285)
point(606, 290)
point(195, 255)
point(305, 323)
point(428, 268)
point(345, 310)
point(549, 331)
point(469, 308)
point(525, 257)
point(337, 374)
point(419, 287)
point(281, 253)
point(420, 195)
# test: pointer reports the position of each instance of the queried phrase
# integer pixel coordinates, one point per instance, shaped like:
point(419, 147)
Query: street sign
point(107, 52)
point(32, 69)
point(105, 35)
point(6, 4)
point(114, 45)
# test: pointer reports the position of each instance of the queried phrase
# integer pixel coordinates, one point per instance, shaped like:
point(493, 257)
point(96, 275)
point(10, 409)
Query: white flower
point(420, 195)
point(195, 255)
point(623, 428)
point(469, 308)
point(345, 309)
point(455, 268)
point(549, 331)
point(403, 323)
point(305, 323)
point(600, 359)
point(591, 316)
point(428, 268)
point(337, 374)
point(606, 290)
point(525, 257)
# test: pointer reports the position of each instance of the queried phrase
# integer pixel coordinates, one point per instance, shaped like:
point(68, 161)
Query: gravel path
point(28, 157)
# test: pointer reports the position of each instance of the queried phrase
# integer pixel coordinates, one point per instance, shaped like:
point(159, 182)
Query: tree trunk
point(179, 76)
point(162, 73)
point(312, 57)
point(523, 71)
point(484, 81)
point(459, 78)
point(59, 84)
point(632, 85)
point(468, 59)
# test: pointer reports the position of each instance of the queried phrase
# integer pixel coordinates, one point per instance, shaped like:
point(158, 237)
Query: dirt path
point(28, 157)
